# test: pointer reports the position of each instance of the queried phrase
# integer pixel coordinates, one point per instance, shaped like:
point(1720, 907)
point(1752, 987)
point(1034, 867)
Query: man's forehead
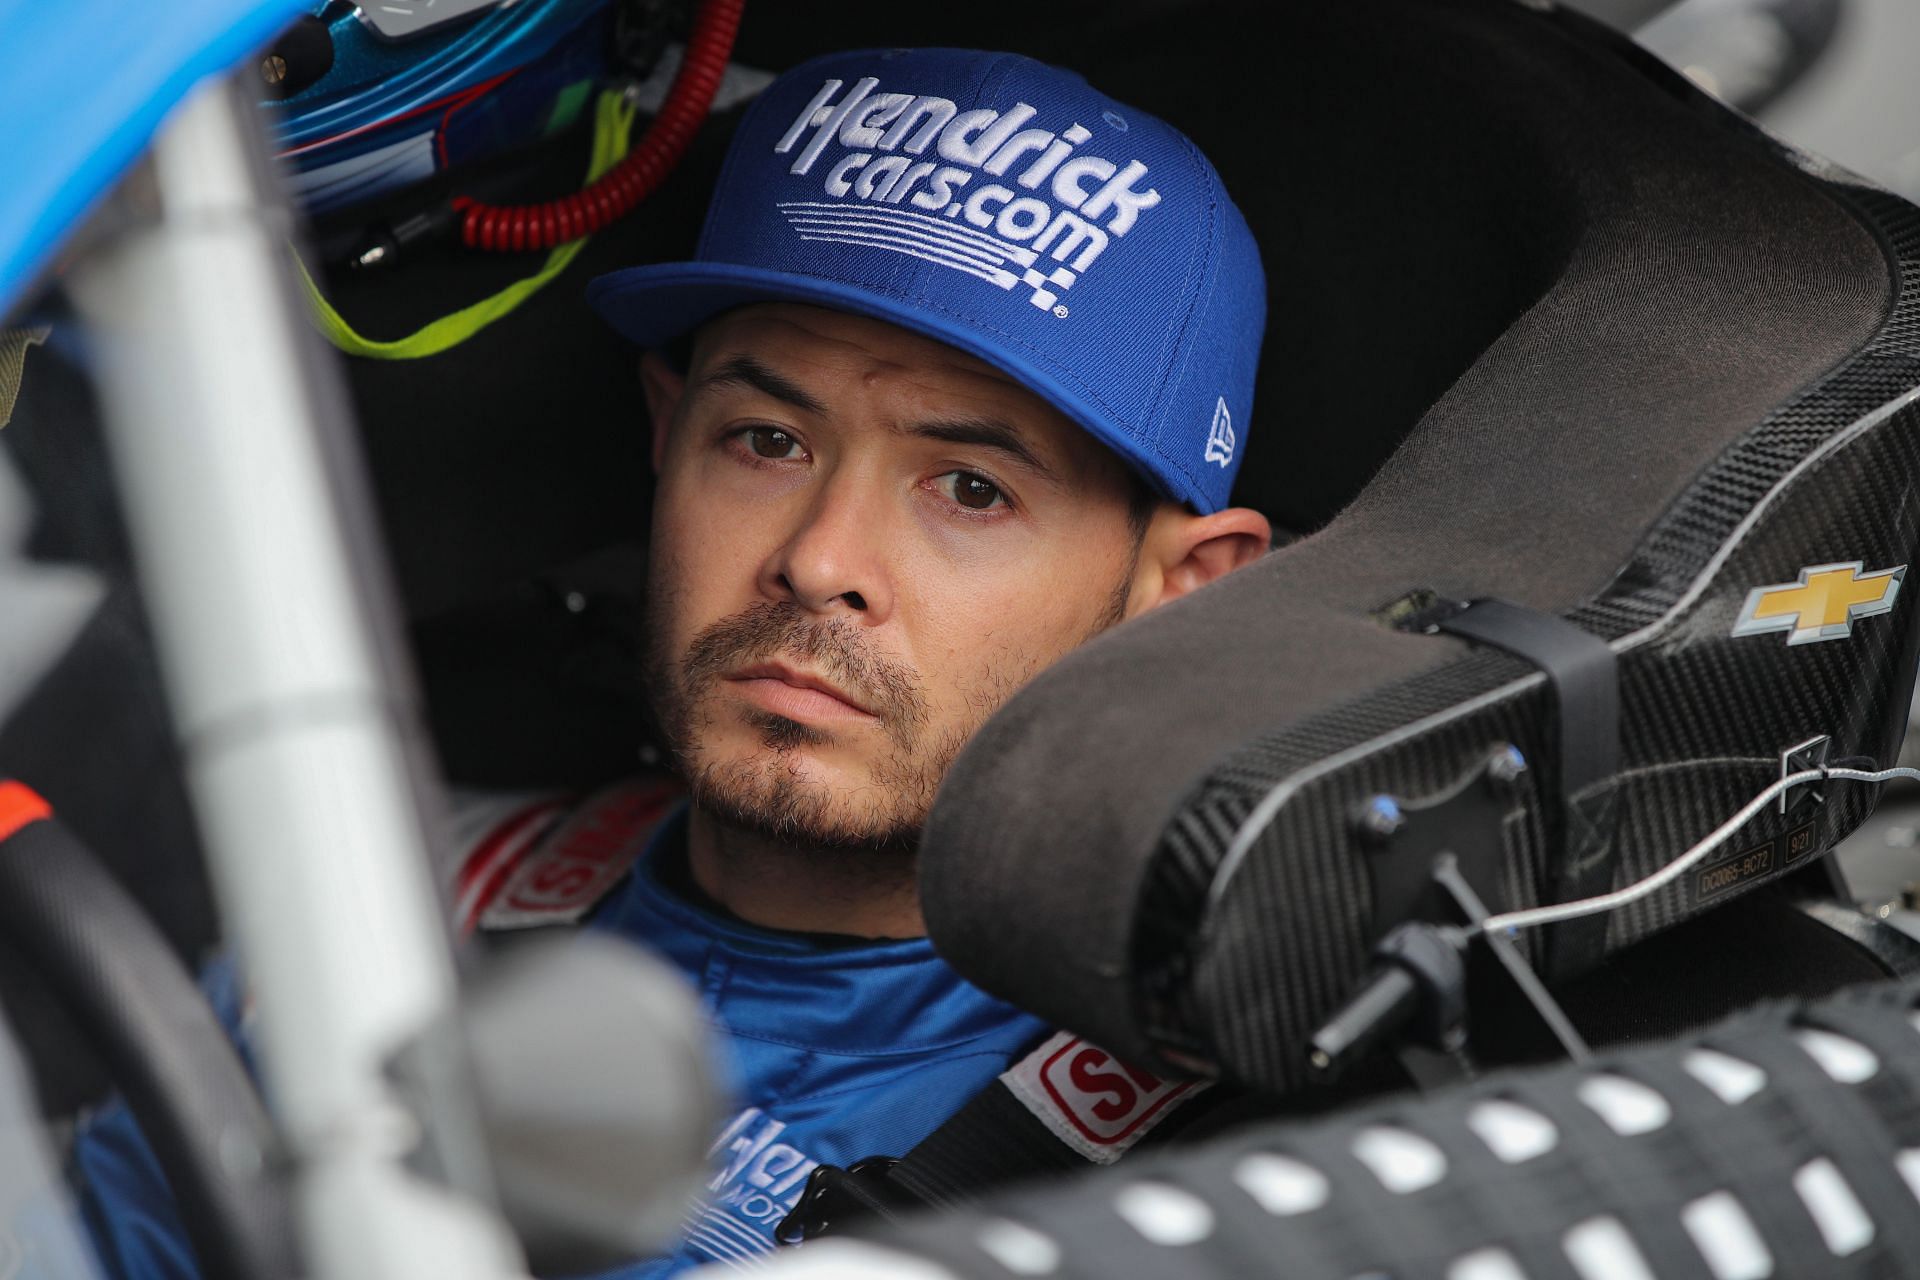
point(822, 335)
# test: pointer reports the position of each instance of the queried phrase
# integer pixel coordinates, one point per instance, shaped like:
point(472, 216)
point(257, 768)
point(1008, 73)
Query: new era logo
point(1220, 435)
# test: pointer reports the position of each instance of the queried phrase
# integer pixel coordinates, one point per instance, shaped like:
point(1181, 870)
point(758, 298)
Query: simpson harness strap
point(1066, 1105)
point(531, 861)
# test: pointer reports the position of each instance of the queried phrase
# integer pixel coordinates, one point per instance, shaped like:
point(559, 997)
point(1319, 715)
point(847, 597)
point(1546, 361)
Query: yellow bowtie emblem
point(1823, 605)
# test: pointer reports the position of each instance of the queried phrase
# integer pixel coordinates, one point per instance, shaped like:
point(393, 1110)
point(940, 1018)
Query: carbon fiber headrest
point(1706, 399)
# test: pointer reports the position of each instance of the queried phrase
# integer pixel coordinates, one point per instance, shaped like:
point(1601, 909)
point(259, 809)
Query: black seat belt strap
point(1585, 678)
point(991, 1141)
point(1066, 1105)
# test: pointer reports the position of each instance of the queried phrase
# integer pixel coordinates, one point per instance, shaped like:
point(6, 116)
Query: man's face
point(864, 541)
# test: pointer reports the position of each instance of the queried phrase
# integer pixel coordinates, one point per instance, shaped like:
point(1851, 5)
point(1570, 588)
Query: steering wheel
point(140, 1009)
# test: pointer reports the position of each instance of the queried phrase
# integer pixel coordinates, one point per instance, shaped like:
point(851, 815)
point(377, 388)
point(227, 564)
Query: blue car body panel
point(83, 86)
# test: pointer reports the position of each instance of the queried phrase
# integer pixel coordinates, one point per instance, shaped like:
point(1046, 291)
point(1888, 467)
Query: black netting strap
point(1785, 1143)
point(1586, 685)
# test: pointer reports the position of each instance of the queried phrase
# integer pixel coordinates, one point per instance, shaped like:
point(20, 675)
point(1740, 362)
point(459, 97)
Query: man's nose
point(834, 559)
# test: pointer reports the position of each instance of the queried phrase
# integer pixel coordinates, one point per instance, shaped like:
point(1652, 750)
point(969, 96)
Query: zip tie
point(1531, 918)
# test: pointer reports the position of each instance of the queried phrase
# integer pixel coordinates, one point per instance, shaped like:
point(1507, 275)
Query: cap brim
point(653, 305)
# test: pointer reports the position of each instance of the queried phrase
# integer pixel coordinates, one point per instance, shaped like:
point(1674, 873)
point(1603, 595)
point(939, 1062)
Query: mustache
point(771, 629)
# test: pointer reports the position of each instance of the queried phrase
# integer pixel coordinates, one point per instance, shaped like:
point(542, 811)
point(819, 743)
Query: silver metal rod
point(247, 504)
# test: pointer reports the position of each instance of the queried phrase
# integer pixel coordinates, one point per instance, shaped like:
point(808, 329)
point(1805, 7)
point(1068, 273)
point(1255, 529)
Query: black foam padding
point(1697, 280)
point(1751, 1151)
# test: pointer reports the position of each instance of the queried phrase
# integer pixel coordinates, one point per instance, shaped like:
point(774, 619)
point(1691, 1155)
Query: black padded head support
point(1689, 281)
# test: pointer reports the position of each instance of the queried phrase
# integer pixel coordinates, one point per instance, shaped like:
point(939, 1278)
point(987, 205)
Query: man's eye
point(771, 442)
point(976, 493)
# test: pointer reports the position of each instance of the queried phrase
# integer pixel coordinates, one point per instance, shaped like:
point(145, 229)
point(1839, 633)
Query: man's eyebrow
point(989, 433)
point(745, 371)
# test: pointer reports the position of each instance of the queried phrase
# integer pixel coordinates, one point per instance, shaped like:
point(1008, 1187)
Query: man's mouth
point(797, 695)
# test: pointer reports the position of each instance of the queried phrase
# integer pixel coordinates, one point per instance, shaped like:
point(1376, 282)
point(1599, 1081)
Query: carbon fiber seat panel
point(1714, 395)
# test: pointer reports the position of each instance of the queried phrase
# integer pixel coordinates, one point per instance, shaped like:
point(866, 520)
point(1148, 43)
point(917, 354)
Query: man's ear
point(1183, 552)
point(663, 386)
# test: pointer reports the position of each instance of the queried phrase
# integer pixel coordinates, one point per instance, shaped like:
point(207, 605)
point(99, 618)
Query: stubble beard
point(769, 793)
point(769, 796)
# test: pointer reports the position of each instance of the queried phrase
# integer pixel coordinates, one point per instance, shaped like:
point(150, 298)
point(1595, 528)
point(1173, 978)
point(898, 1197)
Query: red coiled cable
point(542, 226)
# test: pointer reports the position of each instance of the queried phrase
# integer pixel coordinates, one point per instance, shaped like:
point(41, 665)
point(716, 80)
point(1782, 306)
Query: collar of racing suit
point(672, 866)
point(830, 993)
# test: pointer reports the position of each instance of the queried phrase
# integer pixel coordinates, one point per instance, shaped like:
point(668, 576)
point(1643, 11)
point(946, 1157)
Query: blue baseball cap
point(1004, 207)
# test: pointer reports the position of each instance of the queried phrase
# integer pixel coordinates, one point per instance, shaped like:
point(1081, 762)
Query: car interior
point(1565, 362)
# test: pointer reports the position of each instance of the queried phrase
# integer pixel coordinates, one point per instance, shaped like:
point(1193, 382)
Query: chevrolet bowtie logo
point(1823, 605)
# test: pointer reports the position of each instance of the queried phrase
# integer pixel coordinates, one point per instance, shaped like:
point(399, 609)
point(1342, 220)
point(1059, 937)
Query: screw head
point(1507, 766)
point(273, 68)
point(1381, 819)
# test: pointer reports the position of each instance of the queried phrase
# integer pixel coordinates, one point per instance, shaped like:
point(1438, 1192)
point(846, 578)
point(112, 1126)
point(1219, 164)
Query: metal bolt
point(273, 68)
point(1382, 819)
point(1506, 767)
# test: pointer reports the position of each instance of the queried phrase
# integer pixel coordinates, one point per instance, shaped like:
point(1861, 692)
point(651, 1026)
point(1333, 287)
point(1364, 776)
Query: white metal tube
point(246, 504)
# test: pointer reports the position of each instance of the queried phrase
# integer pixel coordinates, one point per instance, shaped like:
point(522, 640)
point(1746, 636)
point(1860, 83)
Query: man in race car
point(972, 351)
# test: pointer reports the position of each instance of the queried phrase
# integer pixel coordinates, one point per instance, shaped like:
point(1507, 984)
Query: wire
point(613, 124)
point(1536, 916)
point(542, 226)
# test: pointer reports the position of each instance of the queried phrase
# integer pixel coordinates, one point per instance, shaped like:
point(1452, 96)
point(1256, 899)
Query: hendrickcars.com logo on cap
point(1006, 208)
point(1061, 206)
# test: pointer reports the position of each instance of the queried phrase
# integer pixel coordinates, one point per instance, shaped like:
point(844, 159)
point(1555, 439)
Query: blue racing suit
point(837, 1048)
